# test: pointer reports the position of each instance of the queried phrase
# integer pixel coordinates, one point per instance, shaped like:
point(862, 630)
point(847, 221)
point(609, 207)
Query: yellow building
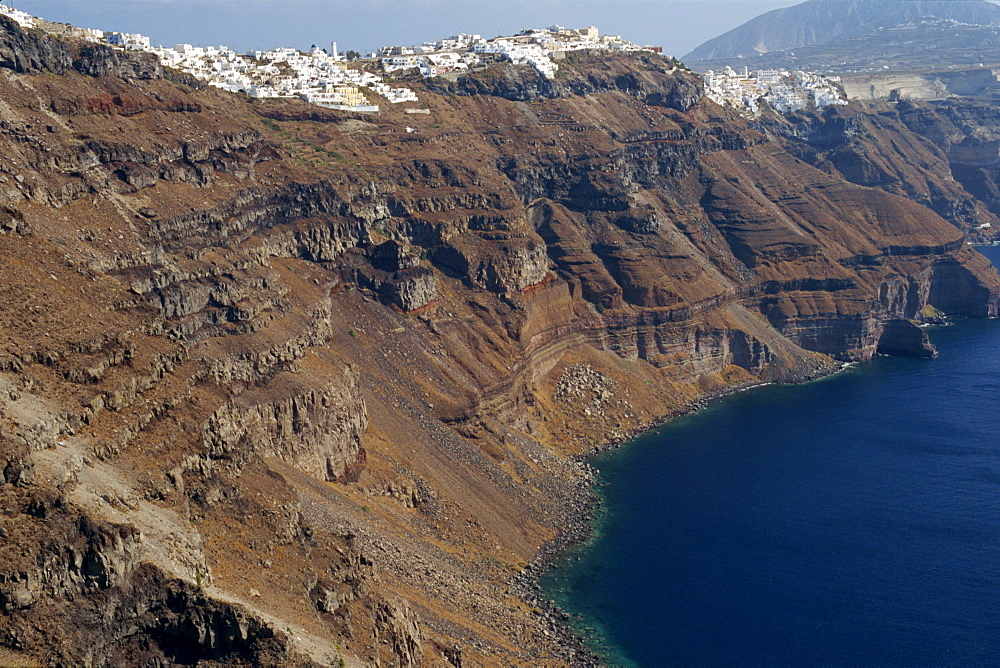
point(351, 95)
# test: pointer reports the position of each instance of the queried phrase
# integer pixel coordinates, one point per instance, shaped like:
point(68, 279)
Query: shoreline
point(577, 518)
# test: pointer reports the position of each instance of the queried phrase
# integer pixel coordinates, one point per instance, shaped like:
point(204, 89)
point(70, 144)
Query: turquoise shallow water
point(853, 521)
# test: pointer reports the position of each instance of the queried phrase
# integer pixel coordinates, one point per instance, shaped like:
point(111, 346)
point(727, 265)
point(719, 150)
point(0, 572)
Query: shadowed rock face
point(583, 74)
point(99, 60)
point(27, 53)
point(286, 391)
point(24, 52)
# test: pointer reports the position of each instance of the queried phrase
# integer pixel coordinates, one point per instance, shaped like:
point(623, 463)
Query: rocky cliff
point(941, 154)
point(280, 385)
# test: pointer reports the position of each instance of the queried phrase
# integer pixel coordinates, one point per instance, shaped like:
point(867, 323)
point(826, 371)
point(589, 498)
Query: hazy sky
point(677, 25)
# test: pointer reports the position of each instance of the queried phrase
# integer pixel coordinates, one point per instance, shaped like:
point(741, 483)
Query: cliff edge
point(287, 385)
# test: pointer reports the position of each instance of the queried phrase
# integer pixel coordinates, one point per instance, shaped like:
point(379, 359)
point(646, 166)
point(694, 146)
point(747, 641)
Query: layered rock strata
point(309, 389)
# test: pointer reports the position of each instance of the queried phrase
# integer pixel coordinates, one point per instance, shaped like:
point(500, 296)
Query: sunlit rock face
point(281, 385)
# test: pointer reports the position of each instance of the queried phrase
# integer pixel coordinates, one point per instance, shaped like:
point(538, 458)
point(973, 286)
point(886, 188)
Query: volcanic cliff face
point(941, 154)
point(279, 384)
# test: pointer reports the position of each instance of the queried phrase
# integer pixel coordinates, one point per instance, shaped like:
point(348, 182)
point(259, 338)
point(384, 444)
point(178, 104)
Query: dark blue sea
point(852, 521)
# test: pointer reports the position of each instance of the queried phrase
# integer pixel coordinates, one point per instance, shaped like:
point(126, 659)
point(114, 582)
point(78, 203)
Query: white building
point(395, 63)
point(23, 19)
point(769, 76)
point(130, 41)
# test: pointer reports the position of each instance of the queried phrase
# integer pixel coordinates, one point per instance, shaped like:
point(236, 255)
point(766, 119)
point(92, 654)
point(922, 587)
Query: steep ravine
point(289, 385)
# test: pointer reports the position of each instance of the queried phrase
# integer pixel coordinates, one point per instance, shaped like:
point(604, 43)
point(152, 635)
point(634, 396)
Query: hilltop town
point(540, 48)
point(327, 78)
point(780, 89)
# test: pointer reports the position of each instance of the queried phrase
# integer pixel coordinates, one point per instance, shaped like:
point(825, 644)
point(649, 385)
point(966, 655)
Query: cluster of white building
point(326, 79)
point(318, 77)
point(540, 48)
point(782, 90)
point(23, 19)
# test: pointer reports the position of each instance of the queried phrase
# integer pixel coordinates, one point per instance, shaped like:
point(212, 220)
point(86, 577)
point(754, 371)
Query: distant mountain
point(819, 21)
point(927, 45)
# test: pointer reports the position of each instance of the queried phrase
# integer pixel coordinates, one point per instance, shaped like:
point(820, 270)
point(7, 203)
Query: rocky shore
point(577, 516)
point(280, 387)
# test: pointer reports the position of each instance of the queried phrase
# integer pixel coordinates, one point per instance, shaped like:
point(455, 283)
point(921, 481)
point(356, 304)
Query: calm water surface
point(853, 521)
